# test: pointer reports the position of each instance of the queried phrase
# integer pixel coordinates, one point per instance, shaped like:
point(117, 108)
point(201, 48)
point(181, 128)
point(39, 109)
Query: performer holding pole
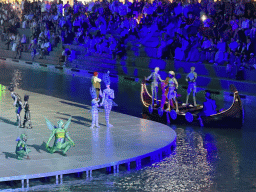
point(17, 103)
point(107, 99)
point(191, 78)
point(96, 84)
point(94, 110)
point(172, 94)
point(154, 84)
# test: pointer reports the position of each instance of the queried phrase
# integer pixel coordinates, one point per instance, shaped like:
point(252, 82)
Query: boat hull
point(230, 118)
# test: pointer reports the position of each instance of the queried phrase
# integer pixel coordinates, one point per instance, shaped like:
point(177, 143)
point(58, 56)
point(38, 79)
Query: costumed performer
point(94, 110)
point(191, 79)
point(154, 84)
point(107, 99)
point(172, 94)
point(165, 90)
point(96, 84)
point(21, 147)
point(17, 103)
point(27, 112)
point(209, 107)
point(60, 133)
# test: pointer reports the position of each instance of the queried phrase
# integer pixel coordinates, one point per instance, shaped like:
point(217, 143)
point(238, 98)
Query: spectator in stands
point(194, 55)
point(33, 48)
point(249, 48)
point(205, 48)
point(221, 55)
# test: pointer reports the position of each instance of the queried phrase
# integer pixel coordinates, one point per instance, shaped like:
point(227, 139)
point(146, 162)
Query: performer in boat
point(165, 90)
point(172, 94)
point(209, 107)
point(21, 148)
point(17, 103)
point(27, 113)
point(154, 84)
point(191, 79)
point(107, 98)
point(96, 84)
point(61, 136)
point(94, 110)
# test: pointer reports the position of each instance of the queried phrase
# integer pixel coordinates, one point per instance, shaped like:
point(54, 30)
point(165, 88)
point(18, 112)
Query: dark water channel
point(204, 160)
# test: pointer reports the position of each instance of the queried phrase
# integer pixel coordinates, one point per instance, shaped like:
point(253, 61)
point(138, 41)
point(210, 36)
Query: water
point(204, 159)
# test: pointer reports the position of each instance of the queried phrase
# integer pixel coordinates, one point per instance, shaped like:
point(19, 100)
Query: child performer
point(96, 84)
point(107, 99)
point(27, 112)
point(17, 103)
point(191, 78)
point(172, 94)
point(94, 110)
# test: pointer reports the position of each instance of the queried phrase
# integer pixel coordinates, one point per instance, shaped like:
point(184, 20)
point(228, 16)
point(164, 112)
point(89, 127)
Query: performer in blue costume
point(209, 107)
point(17, 103)
point(191, 78)
point(107, 99)
point(154, 84)
point(94, 110)
point(172, 94)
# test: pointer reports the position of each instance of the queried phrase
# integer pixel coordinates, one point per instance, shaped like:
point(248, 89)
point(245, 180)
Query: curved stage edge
point(131, 140)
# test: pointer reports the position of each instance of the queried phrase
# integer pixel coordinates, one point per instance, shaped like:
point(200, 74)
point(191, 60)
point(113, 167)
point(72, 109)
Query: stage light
point(203, 18)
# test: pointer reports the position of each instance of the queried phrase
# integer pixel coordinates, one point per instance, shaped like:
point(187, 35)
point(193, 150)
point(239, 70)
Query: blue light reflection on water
point(204, 159)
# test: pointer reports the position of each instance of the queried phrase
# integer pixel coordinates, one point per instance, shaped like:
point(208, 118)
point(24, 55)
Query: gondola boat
point(230, 118)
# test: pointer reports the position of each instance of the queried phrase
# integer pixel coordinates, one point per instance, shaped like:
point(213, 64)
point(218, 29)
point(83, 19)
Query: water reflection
point(187, 169)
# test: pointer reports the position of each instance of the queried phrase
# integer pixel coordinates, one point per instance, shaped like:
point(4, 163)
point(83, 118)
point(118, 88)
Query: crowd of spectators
point(222, 32)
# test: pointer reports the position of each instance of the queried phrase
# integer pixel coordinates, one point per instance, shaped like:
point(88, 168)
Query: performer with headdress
point(191, 78)
point(172, 94)
point(94, 110)
point(27, 112)
point(107, 99)
point(17, 103)
point(96, 84)
point(154, 84)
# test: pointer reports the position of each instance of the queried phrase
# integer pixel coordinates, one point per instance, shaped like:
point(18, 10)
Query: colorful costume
point(27, 112)
point(173, 86)
point(107, 99)
point(191, 78)
point(165, 90)
point(17, 103)
point(154, 84)
point(96, 84)
point(60, 133)
point(94, 110)
point(21, 148)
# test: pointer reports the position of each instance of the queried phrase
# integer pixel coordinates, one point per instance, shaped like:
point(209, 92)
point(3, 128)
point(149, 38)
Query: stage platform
point(131, 139)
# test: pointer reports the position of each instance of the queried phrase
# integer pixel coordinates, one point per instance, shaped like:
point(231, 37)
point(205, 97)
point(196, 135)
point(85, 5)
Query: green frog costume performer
point(107, 99)
point(60, 133)
point(17, 103)
point(21, 148)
